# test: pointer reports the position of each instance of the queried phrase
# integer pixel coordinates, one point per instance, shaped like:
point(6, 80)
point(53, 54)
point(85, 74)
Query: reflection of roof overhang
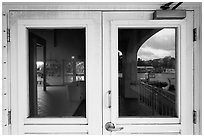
point(130, 40)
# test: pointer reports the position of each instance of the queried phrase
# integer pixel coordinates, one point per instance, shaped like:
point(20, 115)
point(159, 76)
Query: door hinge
point(8, 35)
point(194, 117)
point(9, 117)
point(195, 34)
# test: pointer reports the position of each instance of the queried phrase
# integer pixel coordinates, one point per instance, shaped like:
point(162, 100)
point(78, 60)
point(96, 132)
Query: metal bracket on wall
point(169, 14)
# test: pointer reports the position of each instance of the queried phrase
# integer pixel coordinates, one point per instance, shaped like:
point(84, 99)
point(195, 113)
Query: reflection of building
point(170, 70)
point(143, 69)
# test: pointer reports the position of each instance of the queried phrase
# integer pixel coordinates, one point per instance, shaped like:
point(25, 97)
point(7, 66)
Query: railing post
point(156, 104)
point(153, 102)
point(140, 93)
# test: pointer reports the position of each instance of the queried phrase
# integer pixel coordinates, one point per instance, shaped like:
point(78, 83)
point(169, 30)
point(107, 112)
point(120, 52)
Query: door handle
point(111, 127)
point(109, 99)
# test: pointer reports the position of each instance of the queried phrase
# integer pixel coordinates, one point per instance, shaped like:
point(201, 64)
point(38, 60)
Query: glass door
point(58, 86)
point(64, 81)
point(148, 74)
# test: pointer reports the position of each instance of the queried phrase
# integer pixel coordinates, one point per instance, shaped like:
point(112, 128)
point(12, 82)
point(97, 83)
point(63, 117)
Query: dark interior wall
point(39, 53)
point(61, 45)
point(69, 42)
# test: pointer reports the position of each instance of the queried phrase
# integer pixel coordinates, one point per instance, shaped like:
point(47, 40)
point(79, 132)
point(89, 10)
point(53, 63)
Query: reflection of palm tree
point(166, 88)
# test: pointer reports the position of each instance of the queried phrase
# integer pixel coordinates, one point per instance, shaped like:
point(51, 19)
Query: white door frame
point(184, 123)
point(8, 7)
point(21, 123)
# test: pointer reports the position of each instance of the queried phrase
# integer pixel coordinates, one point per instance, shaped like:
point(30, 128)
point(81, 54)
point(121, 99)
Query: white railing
point(161, 102)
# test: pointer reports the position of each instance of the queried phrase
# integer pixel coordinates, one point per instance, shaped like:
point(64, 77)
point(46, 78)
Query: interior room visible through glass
point(57, 76)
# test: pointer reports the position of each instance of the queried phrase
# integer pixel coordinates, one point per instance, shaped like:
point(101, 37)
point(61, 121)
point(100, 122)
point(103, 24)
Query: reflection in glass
point(147, 72)
point(57, 73)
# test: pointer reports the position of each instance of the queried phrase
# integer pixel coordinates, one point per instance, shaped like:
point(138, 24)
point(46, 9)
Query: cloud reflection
point(159, 45)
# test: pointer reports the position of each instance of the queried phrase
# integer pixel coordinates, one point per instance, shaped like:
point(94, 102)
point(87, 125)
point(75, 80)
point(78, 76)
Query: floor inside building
point(56, 102)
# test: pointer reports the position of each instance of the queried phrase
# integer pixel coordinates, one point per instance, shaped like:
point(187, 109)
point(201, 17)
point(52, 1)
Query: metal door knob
point(111, 127)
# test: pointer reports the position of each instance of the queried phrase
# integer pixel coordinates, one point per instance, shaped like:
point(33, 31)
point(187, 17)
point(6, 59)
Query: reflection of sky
point(158, 46)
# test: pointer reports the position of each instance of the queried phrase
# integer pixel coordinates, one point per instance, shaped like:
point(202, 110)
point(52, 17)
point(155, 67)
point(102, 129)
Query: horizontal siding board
point(152, 129)
point(56, 129)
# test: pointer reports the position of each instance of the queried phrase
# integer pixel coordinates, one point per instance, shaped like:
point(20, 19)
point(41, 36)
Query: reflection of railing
point(161, 102)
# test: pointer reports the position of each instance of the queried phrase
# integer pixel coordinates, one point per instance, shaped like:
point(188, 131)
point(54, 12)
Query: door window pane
point(147, 72)
point(57, 84)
